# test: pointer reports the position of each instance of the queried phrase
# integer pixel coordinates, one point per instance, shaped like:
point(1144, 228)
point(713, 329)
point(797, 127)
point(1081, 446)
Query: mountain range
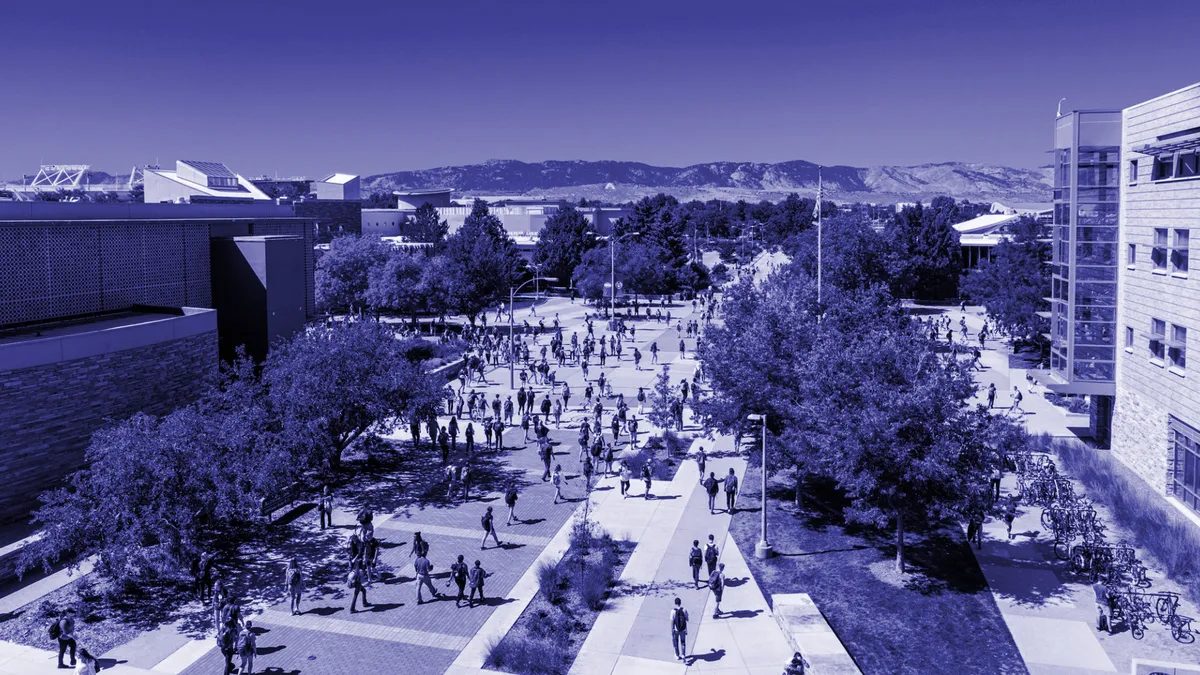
point(617, 181)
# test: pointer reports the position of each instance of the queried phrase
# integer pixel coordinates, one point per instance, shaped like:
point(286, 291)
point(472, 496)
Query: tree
point(562, 242)
point(663, 398)
point(853, 257)
point(426, 226)
point(380, 200)
point(483, 262)
point(791, 216)
point(343, 273)
point(1015, 283)
point(396, 284)
point(926, 256)
point(332, 385)
point(138, 194)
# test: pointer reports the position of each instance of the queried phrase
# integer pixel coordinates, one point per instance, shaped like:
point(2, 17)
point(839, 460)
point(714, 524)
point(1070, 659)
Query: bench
point(272, 503)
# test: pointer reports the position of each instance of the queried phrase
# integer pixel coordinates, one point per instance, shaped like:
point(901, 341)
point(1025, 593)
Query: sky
point(307, 88)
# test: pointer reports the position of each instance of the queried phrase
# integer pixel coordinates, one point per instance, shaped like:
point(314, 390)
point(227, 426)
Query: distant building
point(1156, 423)
point(1083, 328)
point(977, 237)
point(411, 200)
point(196, 181)
point(339, 186)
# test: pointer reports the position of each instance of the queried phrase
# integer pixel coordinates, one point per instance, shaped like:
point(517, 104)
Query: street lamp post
point(512, 343)
point(763, 548)
point(612, 260)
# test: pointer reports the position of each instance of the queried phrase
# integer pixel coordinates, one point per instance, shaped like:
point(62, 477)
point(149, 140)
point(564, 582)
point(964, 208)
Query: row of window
point(1166, 167)
point(1166, 347)
point(1169, 252)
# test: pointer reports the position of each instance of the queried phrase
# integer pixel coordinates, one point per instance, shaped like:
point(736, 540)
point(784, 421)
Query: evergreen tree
point(562, 242)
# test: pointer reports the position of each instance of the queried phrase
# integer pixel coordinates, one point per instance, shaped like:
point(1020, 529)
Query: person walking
point(641, 400)
point(63, 630)
point(991, 395)
point(325, 506)
point(626, 479)
point(489, 527)
point(1010, 513)
point(510, 498)
point(452, 428)
point(420, 547)
point(423, 568)
point(458, 575)
point(293, 581)
point(1104, 607)
point(247, 648)
point(647, 477)
point(476, 576)
point(203, 572)
point(712, 486)
point(469, 436)
point(547, 456)
point(716, 583)
point(701, 462)
point(88, 665)
point(1016, 404)
point(731, 488)
point(355, 582)
point(557, 480)
point(227, 643)
point(695, 560)
point(679, 625)
point(711, 554)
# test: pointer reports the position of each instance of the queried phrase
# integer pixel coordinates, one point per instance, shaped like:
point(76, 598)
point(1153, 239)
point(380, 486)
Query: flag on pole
point(817, 208)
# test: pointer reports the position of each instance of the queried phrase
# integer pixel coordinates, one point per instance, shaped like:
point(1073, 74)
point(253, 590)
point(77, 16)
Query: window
point(1186, 445)
point(1177, 351)
point(1133, 172)
point(1131, 257)
point(1164, 167)
point(1158, 255)
point(1179, 252)
point(1188, 165)
point(1128, 338)
point(1158, 336)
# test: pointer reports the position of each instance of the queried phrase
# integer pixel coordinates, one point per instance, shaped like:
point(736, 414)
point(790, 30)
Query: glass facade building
point(1083, 326)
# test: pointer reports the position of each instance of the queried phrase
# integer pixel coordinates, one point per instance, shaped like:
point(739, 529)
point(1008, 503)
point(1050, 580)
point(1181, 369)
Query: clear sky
point(297, 87)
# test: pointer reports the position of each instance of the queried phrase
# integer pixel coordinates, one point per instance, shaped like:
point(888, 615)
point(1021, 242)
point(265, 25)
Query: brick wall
point(1140, 436)
point(48, 413)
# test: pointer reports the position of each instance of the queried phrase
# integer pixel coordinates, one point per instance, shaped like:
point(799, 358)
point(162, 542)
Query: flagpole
point(818, 235)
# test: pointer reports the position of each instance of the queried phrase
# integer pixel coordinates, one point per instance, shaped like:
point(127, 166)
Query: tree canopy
point(1015, 283)
point(563, 240)
point(926, 257)
point(343, 273)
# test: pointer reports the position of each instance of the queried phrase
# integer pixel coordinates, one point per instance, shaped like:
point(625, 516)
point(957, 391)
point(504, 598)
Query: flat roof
point(247, 190)
point(429, 191)
point(339, 178)
point(87, 324)
point(986, 224)
point(76, 211)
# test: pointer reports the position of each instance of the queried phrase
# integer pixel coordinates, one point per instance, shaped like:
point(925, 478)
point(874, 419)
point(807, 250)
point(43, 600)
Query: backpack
point(459, 572)
point(679, 620)
point(715, 582)
point(486, 522)
point(510, 497)
point(54, 629)
point(710, 554)
point(350, 579)
point(294, 579)
point(695, 558)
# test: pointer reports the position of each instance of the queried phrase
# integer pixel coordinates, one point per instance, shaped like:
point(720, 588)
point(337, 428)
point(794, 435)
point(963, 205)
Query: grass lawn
point(939, 618)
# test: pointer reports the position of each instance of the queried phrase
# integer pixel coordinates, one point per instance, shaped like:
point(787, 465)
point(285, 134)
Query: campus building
point(111, 309)
point(1083, 322)
point(1156, 423)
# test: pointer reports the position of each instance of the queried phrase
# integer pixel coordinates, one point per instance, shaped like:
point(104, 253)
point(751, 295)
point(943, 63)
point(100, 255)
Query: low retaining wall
point(809, 633)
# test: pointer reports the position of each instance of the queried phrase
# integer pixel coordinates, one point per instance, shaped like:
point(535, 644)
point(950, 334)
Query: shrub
point(550, 581)
point(675, 446)
point(550, 622)
point(592, 586)
point(521, 652)
point(662, 469)
point(1155, 525)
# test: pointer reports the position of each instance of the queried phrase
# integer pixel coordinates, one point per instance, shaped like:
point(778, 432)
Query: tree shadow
point(710, 657)
point(736, 581)
point(742, 614)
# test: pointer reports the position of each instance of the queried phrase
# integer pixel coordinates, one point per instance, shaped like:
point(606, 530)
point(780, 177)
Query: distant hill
point(622, 181)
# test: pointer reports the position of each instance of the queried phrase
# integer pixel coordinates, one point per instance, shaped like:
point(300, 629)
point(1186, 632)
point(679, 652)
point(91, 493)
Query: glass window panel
point(1097, 194)
point(1158, 327)
point(1189, 469)
point(1096, 273)
point(1187, 165)
point(1093, 371)
point(1133, 172)
point(1164, 167)
point(1094, 353)
point(1105, 314)
point(1092, 333)
point(1095, 254)
point(1101, 234)
point(1097, 175)
point(1160, 237)
point(1129, 336)
point(1103, 294)
point(1097, 214)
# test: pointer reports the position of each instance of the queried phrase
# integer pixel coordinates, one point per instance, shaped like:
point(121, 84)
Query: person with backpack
point(731, 488)
point(1016, 405)
point(227, 643)
point(476, 577)
point(370, 555)
point(679, 625)
point(711, 553)
point(701, 462)
point(420, 547)
point(354, 581)
point(695, 559)
point(641, 400)
point(489, 527)
point(991, 395)
point(547, 456)
point(716, 583)
point(293, 581)
point(712, 486)
point(510, 498)
point(62, 629)
point(647, 477)
point(458, 575)
point(626, 479)
point(423, 567)
point(247, 648)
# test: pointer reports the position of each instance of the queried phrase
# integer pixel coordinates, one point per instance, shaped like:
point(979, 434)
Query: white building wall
point(1149, 392)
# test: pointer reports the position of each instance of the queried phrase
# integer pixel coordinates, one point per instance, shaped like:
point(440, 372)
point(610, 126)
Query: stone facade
point(48, 412)
point(1140, 437)
point(1158, 307)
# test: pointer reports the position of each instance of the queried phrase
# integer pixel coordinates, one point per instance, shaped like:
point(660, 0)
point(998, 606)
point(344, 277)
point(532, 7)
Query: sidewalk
point(1050, 612)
